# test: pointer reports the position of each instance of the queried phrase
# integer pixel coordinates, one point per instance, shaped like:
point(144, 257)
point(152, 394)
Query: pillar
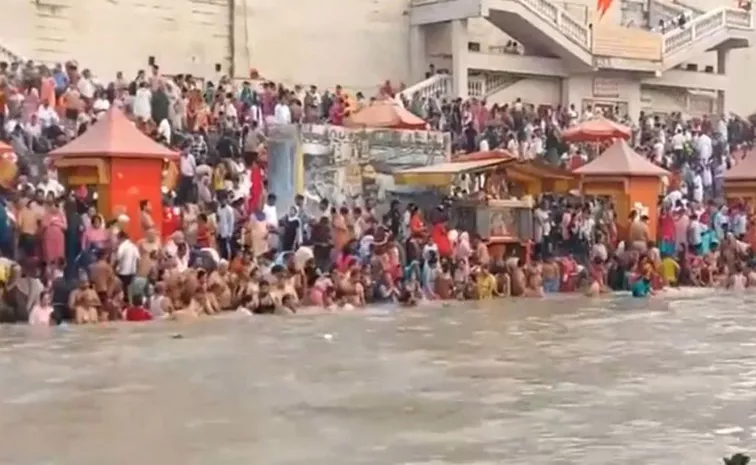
point(459, 57)
point(723, 58)
point(417, 54)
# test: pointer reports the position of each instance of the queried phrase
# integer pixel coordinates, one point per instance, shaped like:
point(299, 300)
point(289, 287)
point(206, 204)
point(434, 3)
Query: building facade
point(564, 54)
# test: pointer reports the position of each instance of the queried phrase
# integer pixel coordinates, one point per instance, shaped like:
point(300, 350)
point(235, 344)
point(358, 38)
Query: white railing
point(8, 55)
point(574, 30)
point(485, 85)
point(672, 9)
point(439, 84)
point(706, 25)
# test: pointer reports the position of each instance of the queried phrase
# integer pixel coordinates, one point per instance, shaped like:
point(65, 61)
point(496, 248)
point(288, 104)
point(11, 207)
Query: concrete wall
point(359, 43)
point(536, 91)
point(356, 43)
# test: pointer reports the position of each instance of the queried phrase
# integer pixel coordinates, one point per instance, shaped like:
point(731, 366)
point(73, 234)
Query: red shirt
point(203, 235)
point(417, 228)
point(171, 222)
point(255, 192)
point(137, 314)
point(441, 238)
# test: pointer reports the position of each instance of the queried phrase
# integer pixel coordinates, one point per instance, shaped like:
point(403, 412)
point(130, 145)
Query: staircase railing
point(673, 9)
point(7, 55)
point(705, 25)
point(440, 84)
point(573, 29)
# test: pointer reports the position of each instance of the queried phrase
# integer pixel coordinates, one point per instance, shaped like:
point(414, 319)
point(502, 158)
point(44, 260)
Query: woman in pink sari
point(54, 227)
point(463, 252)
point(30, 104)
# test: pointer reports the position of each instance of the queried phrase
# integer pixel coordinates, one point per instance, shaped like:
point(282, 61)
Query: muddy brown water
point(563, 381)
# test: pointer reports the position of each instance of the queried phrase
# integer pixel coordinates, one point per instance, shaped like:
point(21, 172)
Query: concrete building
point(565, 54)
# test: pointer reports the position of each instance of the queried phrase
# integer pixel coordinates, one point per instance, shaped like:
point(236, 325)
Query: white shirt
point(283, 114)
point(484, 145)
point(703, 144)
point(229, 110)
point(33, 129)
point(271, 215)
point(164, 129)
point(698, 188)
point(673, 197)
point(101, 104)
point(52, 185)
point(188, 165)
point(47, 116)
point(678, 141)
point(142, 108)
point(127, 257)
point(86, 88)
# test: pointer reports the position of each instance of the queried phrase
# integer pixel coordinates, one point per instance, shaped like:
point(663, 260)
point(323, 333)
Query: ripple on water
point(661, 381)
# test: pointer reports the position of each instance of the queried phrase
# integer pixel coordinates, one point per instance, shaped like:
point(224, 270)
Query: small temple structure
point(385, 114)
point(740, 180)
point(628, 179)
point(120, 163)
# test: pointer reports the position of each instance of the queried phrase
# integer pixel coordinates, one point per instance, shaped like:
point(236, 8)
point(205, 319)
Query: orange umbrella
point(596, 130)
point(385, 114)
point(486, 155)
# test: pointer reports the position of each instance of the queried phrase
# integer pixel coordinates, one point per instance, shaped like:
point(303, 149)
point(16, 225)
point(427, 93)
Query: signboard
point(343, 164)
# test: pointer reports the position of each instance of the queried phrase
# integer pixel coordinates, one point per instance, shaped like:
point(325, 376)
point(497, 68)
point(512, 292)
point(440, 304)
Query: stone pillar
point(417, 55)
point(459, 56)
point(723, 58)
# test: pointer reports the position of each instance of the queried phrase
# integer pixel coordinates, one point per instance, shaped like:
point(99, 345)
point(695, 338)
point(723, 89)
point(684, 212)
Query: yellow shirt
point(669, 269)
point(486, 285)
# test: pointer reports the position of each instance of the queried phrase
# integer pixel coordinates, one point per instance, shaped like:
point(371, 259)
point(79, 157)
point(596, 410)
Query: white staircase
point(544, 27)
point(439, 84)
point(540, 25)
point(705, 32)
point(672, 10)
point(8, 55)
point(479, 87)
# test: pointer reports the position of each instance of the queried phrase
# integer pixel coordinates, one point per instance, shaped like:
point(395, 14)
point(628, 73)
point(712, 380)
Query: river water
point(563, 381)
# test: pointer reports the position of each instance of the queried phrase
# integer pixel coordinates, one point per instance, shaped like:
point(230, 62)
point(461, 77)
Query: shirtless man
point(550, 275)
point(535, 282)
point(518, 280)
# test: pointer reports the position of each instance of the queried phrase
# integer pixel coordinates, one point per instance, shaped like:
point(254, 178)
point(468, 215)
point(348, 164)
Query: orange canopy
point(114, 136)
point(486, 155)
point(620, 160)
point(596, 130)
point(744, 169)
point(385, 114)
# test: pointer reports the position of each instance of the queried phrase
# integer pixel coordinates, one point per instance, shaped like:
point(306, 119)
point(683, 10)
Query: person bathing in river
point(596, 278)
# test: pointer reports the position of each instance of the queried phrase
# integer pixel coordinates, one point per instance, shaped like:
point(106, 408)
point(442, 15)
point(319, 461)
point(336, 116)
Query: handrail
point(569, 26)
point(429, 87)
point(705, 25)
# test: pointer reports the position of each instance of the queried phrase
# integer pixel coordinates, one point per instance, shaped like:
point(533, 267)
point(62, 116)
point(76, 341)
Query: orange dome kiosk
point(628, 179)
point(740, 180)
point(120, 163)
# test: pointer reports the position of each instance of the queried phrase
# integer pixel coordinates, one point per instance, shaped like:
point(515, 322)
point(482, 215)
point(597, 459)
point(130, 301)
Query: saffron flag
point(603, 6)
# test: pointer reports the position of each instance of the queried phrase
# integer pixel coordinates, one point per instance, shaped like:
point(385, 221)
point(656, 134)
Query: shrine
point(120, 163)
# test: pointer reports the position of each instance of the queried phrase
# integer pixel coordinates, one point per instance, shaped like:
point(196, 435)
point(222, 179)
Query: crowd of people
point(218, 242)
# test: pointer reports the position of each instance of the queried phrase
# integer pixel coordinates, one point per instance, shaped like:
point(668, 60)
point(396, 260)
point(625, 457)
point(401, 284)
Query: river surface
point(560, 381)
